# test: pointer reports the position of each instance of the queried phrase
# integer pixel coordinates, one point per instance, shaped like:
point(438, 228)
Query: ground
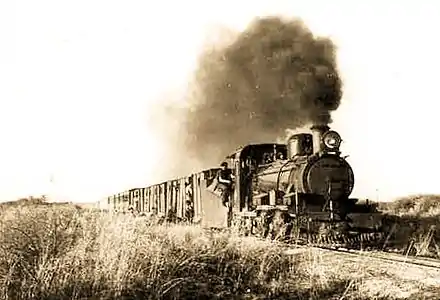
point(68, 252)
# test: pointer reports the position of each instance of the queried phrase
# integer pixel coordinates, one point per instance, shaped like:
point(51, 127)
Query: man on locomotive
point(225, 178)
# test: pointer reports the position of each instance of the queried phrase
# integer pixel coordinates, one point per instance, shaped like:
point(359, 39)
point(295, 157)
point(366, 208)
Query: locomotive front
point(314, 170)
point(321, 172)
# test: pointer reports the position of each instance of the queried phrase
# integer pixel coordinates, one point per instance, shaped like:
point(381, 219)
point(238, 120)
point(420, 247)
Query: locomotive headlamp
point(332, 140)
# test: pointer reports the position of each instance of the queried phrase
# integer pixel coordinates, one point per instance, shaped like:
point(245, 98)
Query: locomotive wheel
point(262, 224)
point(248, 226)
point(245, 226)
point(281, 227)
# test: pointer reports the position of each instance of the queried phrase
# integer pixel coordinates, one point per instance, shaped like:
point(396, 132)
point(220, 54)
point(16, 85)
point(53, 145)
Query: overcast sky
point(77, 79)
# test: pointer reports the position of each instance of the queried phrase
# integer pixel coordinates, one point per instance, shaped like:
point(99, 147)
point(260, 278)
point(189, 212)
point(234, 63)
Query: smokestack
point(318, 131)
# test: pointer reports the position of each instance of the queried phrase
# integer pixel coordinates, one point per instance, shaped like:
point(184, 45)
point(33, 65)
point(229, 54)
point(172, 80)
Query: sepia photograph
point(219, 150)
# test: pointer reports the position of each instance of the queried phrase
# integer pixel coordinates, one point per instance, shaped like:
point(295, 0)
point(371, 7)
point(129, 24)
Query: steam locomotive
point(299, 190)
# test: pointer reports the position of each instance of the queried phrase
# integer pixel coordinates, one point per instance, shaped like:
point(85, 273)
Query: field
point(66, 252)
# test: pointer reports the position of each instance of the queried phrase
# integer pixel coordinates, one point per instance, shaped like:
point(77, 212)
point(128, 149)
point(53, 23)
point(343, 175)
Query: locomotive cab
point(245, 163)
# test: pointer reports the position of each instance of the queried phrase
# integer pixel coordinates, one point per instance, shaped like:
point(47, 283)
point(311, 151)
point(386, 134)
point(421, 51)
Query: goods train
point(297, 191)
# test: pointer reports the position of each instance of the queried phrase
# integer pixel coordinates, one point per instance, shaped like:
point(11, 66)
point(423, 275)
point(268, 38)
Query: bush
point(412, 224)
point(419, 205)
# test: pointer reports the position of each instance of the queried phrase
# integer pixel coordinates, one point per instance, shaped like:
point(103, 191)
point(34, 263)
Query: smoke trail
point(275, 75)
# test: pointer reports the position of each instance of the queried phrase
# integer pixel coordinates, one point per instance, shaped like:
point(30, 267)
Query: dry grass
point(413, 224)
point(64, 252)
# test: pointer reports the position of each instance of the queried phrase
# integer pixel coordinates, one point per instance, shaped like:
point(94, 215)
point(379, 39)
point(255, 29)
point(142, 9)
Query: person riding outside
point(189, 211)
point(188, 189)
point(280, 156)
point(189, 200)
point(225, 179)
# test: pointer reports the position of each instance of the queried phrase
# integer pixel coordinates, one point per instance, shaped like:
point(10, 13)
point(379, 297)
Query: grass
point(65, 252)
point(413, 224)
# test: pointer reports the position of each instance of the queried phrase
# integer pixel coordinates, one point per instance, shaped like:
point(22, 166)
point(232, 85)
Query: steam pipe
point(281, 169)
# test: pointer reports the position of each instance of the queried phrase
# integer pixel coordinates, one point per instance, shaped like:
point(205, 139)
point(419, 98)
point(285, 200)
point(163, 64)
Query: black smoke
point(275, 75)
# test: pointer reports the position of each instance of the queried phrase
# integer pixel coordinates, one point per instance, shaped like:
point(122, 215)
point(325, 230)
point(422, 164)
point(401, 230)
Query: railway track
point(378, 255)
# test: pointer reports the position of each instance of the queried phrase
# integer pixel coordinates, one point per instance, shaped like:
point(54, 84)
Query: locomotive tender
point(297, 190)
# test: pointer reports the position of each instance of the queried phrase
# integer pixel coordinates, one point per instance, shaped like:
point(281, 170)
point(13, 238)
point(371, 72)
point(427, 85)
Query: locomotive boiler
point(313, 168)
point(313, 174)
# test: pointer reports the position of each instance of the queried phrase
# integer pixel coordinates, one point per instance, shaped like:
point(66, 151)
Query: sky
point(79, 79)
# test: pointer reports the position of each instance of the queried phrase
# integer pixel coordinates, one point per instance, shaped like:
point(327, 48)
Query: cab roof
point(254, 146)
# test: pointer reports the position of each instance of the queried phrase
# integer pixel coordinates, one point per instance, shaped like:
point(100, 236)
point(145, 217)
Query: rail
point(379, 255)
point(373, 254)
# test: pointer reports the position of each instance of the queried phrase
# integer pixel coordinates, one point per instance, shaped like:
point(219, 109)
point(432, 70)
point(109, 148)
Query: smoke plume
point(273, 76)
